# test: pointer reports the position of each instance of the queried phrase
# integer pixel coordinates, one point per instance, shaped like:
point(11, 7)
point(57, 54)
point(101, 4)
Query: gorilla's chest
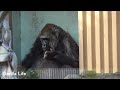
point(46, 64)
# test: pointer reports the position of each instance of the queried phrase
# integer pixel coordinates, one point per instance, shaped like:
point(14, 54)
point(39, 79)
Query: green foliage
point(90, 74)
point(30, 74)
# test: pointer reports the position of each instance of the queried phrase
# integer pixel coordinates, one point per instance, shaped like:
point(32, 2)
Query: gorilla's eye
point(45, 43)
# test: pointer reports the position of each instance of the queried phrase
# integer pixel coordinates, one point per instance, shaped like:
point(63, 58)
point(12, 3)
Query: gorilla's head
point(54, 38)
point(49, 36)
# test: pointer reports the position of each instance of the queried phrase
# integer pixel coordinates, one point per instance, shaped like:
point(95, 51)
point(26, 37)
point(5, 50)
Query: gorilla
point(53, 48)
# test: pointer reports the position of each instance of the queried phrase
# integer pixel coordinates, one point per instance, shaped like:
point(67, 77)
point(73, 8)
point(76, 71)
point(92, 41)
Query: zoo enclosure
point(99, 40)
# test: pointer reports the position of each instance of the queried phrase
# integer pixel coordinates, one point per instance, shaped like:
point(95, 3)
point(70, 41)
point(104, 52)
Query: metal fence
point(56, 73)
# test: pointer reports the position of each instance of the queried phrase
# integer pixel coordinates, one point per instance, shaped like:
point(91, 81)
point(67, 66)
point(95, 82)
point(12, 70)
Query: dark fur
point(35, 52)
point(66, 50)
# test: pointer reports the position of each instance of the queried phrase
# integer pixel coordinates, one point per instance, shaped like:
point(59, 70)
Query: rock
point(109, 76)
point(74, 76)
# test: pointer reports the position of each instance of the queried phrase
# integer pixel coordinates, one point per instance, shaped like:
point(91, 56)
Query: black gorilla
point(53, 48)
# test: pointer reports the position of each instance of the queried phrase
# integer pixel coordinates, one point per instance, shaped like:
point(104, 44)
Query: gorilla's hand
point(49, 55)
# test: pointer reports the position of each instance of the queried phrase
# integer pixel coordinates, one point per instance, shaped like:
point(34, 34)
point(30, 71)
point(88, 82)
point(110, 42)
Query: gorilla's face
point(49, 37)
point(45, 44)
point(49, 41)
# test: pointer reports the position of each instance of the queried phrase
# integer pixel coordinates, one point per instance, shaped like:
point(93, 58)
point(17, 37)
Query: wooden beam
point(85, 39)
point(110, 41)
point(114, 41)
point(106, 49)
point(89, 47)
point(97, 40)
point(93, 40)
point(80, 29)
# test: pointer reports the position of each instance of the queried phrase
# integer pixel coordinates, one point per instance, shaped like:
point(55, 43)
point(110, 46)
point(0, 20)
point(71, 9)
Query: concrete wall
point(16, 33)
point(33, 21)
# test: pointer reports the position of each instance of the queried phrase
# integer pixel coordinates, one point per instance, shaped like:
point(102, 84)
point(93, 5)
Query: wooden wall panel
point(99, 35)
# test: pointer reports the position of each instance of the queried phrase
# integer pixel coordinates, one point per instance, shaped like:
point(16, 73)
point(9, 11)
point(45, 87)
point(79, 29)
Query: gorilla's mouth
point(51, 49)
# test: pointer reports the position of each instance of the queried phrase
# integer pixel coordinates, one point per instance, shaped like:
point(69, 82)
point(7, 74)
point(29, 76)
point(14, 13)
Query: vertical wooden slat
point(118, 40)
point(80, 27)
point(114, 41)
point(100, 34)
point(85, 39)
point(106, 57)
point(110, 41)
point(93, 40)
point(97, 41)
point(101, 42)
point(89, 48)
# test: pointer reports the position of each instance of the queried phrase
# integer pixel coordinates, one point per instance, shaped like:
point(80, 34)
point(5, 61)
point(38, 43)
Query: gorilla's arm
point(65, 60)
point(31, 58)
point(61, 58)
